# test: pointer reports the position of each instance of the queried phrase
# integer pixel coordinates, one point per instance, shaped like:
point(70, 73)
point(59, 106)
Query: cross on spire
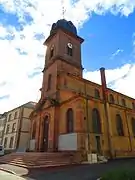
point(63, 9)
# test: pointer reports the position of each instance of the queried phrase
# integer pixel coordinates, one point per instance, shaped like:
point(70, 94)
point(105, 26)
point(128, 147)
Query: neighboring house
point(2, 125)
point(16, 133)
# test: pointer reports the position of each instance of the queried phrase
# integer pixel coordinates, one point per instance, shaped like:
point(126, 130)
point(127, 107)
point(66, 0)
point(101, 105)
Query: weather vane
point(63, 9)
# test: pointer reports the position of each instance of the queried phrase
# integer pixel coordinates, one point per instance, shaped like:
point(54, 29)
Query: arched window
point(51, 52)
point(123, 102)
point(119, 125)
point(69, 49)
point(97, 93)
point(133, 125)
point(49, 82)
point(96, 123)
point(34, 130)
point(70, 120)
point(111, 98)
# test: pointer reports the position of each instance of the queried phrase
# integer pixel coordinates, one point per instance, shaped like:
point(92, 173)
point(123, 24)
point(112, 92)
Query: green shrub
point(120, 175)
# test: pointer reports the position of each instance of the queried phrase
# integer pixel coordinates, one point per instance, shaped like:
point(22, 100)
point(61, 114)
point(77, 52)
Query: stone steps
point(32, 160)
point(40, 165)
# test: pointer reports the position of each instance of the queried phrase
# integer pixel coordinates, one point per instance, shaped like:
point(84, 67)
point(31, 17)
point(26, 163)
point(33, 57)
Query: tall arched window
point(119, 125)
point(96, 122)
point(34, 130)
point(133, 125)
point(70, 120)
point(111, 98)
point(97, 94)
point(51, 52)
point(69, 49)
point(49, 81)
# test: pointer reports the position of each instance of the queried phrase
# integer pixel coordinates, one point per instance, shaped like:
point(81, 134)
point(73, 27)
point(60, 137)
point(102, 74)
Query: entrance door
point(98, 145)
point(45, 134)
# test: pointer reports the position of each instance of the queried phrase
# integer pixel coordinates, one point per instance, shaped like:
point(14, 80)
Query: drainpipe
point(39, 136)
point(3, 133)
point(106, 108)
point(19, 127)
point(30, 133)
point(87, 119)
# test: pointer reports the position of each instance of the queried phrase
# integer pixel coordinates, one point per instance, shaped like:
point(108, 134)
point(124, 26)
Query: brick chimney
point(107, 115)
point(103, 82)
point(103, 78)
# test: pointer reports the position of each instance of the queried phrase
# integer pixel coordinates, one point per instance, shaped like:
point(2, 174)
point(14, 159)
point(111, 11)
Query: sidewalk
point(14, 169)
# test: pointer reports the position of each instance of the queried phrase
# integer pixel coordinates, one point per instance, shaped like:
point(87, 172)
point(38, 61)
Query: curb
point(8, 171)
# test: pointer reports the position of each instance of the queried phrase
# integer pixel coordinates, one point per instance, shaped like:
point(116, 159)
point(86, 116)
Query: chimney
point(103, 83)
point(103, 78)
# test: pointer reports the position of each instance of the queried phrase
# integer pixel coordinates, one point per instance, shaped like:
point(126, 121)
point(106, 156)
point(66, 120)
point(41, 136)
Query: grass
point(120, 174)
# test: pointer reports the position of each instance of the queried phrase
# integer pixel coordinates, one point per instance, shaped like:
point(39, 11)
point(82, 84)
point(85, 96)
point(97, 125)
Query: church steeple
point(64, 44)
point(63, 53)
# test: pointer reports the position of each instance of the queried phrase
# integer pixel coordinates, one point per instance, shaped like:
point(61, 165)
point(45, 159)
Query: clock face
point(70, 45)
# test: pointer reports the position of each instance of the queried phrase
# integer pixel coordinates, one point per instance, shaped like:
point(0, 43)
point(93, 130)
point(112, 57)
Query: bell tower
point(63, 54)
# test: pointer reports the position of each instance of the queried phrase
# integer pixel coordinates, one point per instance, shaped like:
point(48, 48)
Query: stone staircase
point(40, 159)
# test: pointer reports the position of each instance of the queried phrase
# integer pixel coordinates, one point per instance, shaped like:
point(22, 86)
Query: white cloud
point(117, 52)
point(3, 31)
point(120, 79)
point(15, 68)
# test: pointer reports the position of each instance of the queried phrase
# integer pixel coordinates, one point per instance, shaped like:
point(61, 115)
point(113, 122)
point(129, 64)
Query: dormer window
point(69, 49)
point(52, 52)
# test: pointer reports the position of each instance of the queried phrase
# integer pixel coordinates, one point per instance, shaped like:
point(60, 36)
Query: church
point(74, 114)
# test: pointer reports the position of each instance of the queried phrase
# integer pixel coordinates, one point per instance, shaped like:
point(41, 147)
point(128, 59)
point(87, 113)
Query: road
point(83, 172)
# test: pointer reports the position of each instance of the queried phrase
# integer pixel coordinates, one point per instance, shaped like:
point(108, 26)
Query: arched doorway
point(45, 134)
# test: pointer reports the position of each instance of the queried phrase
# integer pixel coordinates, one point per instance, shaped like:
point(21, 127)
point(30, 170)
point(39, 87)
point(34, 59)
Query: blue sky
point(107, 26)
point(104, 35)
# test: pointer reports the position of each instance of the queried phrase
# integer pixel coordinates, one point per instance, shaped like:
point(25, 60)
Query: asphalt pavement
point(81, 172)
